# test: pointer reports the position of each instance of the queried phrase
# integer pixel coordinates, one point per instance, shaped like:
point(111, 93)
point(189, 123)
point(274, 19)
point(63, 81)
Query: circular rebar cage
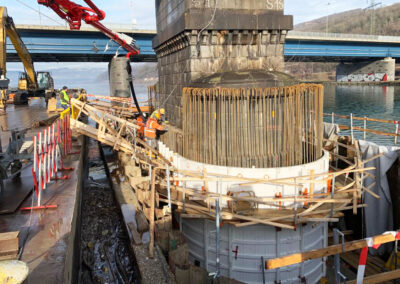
point(253, 127)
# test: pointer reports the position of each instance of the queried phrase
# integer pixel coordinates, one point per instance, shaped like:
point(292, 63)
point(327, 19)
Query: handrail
point(364, 129)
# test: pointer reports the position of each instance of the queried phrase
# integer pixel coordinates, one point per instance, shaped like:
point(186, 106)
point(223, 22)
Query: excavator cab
point(45, 81)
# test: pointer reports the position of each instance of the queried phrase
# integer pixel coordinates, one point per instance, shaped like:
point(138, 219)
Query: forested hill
point(387, 22)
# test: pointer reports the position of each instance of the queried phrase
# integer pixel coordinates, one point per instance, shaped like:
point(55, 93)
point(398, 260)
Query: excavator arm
point(7, 28)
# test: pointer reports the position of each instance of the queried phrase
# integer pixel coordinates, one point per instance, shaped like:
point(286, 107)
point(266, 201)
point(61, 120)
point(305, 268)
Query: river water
point(371, 101)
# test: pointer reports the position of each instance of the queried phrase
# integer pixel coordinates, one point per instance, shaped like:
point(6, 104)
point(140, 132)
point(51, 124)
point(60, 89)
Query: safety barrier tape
point(50, 146)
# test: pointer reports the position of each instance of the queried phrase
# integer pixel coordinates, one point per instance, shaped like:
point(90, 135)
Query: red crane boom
point(92, 15)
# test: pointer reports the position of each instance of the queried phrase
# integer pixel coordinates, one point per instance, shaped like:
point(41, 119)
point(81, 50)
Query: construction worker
point(158, 114)
point(140, 121)
point(64, 98)
point(153, 125)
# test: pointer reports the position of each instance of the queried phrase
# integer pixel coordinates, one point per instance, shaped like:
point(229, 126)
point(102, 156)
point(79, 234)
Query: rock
point(198, 275)
point(164, 224)
point(182, 276)
point(142, 223)
point(176, 239)
point(179, 258)
point(162, 239)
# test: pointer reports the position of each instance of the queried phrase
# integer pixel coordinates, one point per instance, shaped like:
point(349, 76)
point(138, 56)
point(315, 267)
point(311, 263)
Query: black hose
point(134, 97)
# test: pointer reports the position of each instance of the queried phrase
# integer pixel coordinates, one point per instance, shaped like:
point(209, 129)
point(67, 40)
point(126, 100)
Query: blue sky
point(142, 11)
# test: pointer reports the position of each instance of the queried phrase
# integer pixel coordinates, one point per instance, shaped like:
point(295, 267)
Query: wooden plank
point(362, 118)
point(153, 188)
point(379, 278)
point(377, 132)
point(330, 250)
point(9, 245)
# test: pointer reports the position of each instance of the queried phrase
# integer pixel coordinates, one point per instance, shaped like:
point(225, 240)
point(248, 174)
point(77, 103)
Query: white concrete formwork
point(319, 166)
point(252, 243)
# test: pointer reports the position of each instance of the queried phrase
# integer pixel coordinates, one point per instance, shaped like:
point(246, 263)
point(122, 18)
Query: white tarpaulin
point(379, 212)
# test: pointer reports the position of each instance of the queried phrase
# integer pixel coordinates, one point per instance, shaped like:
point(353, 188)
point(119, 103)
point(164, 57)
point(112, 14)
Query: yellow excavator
point(31, 84)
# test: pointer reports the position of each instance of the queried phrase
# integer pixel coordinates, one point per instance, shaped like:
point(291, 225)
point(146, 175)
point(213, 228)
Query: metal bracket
point(338, 274)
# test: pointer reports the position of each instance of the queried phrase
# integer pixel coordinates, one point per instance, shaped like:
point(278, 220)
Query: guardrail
point(364, 129)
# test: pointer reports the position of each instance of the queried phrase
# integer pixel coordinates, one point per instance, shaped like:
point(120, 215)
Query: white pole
point(352, 131)
point(397, 132)
point(34, 153)
point(333, 118)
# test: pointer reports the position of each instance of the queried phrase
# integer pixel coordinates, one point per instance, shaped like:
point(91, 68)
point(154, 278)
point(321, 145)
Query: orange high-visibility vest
point(151, 128)
point(140, 123)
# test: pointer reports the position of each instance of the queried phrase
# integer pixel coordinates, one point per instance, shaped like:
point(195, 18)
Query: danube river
point(371, 101)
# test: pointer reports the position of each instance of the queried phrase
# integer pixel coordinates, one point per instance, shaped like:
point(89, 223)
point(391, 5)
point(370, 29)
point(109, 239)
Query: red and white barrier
point(49, 148)
point(364, 255)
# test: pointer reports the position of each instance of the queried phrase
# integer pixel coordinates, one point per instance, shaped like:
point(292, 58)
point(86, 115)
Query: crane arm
point(92, 15)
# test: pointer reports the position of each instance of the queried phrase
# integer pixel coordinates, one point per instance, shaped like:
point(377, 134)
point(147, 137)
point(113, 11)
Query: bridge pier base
point(376, 71)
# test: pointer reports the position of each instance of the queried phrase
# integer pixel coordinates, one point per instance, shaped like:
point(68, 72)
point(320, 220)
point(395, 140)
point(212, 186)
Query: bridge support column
point(197, 38)
point(376, 71)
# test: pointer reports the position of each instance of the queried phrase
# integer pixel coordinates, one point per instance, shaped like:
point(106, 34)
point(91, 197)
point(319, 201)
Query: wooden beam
point(331, 250)
point(379, 278)
point(8, 245)
point(152, 201)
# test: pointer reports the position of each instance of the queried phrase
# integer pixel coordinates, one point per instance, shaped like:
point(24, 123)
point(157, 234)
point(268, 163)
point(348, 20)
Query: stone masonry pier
point(199, 38)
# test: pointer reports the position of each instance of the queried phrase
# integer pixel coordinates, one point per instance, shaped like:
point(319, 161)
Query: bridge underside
point(77, 46)
point(65, 57)
point(91, 46)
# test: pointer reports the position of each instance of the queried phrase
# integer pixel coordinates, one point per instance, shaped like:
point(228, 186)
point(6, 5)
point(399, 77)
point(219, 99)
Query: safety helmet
point(162, 111)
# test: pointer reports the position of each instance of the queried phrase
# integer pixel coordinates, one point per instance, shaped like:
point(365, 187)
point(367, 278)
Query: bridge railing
point(339, 36)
